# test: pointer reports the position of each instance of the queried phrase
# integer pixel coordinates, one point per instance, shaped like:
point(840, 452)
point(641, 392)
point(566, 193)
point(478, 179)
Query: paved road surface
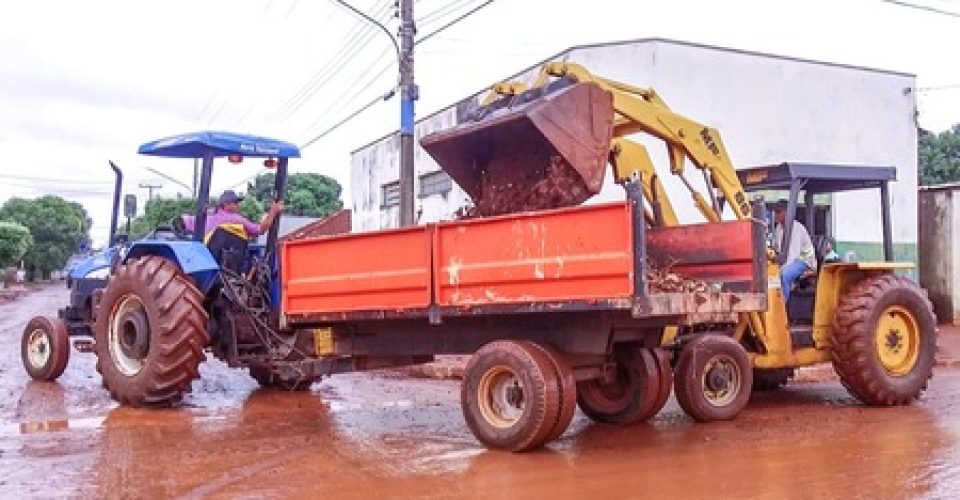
point(374, 436)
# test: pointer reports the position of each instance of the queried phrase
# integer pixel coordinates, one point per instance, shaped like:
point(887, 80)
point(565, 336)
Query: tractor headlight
point(98, 274)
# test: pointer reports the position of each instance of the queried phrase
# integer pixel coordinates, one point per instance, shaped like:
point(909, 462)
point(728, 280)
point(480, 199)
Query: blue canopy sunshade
point(214, 143)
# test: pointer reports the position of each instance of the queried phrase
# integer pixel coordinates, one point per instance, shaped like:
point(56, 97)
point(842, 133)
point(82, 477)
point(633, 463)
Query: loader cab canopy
point(218, 144)
point(815, 179)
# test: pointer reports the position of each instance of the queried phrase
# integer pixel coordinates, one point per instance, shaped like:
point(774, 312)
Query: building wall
point(940, 250)
point(767, 109)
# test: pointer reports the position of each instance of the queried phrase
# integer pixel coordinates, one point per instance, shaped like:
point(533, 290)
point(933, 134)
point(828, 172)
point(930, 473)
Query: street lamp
point(408, 94)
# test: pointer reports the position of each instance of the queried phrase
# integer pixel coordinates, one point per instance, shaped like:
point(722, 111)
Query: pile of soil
point(661, 279)
point(555, 185)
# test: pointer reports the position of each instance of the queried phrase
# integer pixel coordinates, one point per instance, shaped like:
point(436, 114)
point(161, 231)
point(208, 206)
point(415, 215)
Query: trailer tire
point(510, 396)
point(885, 340)
point(150, 332)
point(713, 378)
point(45, 348)
point(637, 394)
point(567, 385)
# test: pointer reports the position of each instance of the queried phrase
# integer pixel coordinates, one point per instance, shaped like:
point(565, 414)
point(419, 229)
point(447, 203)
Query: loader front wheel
point(510, 396)
point(45, 348)
point(638, 390)
point(885, 340)
point(714, 378)
point(150, 332)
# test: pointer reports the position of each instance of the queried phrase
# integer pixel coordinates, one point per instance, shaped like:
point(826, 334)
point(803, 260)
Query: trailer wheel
point(150, 332)
point(45, 348)
point(885, 340)
point(270, 380)
point(713, 378)
point(636, 394)
point(510, 396)
point(567, 388)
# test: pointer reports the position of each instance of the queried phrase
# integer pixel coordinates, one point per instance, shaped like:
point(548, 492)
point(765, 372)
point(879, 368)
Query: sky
point(84, 82)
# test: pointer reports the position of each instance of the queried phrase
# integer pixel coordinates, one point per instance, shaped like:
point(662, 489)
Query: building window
point(390, 194)
point(435, 183)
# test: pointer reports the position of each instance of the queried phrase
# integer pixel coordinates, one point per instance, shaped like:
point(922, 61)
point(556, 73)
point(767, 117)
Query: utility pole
point(150, 186)
point(408, 95)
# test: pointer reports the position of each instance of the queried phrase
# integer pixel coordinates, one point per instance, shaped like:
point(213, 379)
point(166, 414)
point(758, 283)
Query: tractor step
point(802, 336)
point(83, 345)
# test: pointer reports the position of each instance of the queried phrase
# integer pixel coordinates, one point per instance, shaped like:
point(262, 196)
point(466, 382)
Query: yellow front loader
point(876, 327)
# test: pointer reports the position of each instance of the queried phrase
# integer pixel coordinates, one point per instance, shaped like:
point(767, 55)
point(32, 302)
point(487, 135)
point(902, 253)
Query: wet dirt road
point(373, 436)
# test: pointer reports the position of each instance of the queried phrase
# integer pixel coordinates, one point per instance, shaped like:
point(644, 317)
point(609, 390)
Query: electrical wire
point(922, 7)
point(451, 23)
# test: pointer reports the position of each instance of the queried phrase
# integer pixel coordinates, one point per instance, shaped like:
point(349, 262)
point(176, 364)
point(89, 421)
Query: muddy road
point(377, 436)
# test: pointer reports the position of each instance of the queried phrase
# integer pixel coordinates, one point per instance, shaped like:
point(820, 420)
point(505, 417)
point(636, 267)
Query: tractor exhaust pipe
point(115, 214)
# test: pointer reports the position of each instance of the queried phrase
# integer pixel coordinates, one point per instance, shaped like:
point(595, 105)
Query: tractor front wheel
point(885, 340)
point(45, 348)
point(150, 332)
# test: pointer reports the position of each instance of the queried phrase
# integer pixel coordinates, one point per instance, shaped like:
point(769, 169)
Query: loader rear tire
point(885, 340)
point(150, 333)
point(45, 348)
point(714, 378)
point(641, 388)
point(510, 396)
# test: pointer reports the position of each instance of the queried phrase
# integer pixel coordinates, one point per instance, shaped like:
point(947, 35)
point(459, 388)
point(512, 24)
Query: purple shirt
point(222, 217)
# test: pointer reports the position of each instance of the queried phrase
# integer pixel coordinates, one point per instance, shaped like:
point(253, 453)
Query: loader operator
point(801, 258)
point(228, 213)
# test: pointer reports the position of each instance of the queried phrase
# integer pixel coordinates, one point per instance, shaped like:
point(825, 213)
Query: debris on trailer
point(661, 279)
point(559, 186)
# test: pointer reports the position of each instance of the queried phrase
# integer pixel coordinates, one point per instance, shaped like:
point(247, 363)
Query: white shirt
point(801, 248)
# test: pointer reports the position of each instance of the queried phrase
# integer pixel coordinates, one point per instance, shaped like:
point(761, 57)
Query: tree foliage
point(160, 212)
point(15, 240)
point(940, 156)
point(309, 194)
point(58, 228)
point(252, 209)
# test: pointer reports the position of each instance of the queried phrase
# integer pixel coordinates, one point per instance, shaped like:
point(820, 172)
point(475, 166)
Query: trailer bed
point(574, 259)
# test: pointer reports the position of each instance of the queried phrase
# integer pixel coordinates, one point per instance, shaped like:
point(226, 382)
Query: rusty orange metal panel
point(577, 253)
point(357, 272)
point(715, 252)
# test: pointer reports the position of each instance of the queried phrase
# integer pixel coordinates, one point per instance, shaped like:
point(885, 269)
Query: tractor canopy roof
point(214, 143)
point(816, 178)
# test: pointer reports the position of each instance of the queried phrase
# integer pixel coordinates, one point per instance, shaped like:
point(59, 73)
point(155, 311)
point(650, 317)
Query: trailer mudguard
point(193, 258)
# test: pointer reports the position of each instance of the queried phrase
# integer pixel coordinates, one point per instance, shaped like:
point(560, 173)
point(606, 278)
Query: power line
point(390, 94)
point(455, 21)
point(939, 87)
point(922, 7)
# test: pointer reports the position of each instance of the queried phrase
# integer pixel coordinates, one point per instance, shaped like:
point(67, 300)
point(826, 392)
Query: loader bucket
point(544, 148)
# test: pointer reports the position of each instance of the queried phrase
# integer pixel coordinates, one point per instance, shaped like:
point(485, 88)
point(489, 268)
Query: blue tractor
point(150, 308)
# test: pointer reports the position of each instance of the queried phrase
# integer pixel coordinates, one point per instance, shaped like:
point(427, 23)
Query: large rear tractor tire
point(713, 378)
point(45, 348)
point(639, 390)
point(510, 396)
point(885, 340)
point(150, 332)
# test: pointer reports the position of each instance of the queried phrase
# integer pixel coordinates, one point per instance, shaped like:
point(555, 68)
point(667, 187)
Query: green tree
point(160, 212)
point(251, 208)
point(15, 240)
point(308, 194)
point(940, 156)
point(58, 227)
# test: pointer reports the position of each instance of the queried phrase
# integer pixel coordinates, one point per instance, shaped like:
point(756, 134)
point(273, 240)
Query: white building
point(768, 109)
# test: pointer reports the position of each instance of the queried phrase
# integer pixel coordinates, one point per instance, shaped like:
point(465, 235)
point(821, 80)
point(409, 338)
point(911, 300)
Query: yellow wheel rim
point(898, 340)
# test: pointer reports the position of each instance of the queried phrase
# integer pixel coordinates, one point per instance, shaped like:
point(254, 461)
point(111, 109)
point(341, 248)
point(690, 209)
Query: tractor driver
point(228, 212)
point(801, 258)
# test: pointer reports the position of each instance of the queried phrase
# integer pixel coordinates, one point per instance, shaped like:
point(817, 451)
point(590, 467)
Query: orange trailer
point(565, 287)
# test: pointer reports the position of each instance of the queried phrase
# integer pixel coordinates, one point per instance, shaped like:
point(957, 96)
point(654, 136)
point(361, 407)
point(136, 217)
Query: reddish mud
point(516, 190)
point(371, 436)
